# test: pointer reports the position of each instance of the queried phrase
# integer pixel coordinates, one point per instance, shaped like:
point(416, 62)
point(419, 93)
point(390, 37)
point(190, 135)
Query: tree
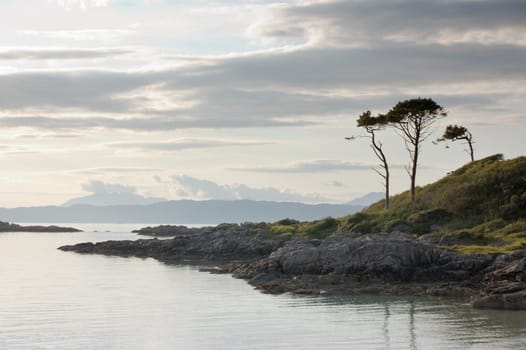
point(413, 119)
point(371, 125)
point(457, 132)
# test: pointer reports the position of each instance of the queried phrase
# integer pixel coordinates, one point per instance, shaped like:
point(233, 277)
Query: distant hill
point(368, 199)
point(179, 212)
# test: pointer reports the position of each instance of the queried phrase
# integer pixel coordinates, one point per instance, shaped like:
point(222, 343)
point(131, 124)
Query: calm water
point(56, 300)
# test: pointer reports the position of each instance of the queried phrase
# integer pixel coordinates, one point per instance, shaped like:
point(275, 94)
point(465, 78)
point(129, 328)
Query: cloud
point(313, 166)
point(292, 89)
point(83, 4)
point(376, 21)
point(184, 144)
point(191, 187)
point(60, 54)
point(100, 35)
point(134, 124)
point(104, 171)
point(372, 55)
point(99, 187)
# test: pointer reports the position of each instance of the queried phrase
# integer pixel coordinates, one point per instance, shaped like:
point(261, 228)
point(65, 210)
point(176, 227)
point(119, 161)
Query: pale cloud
point(184, 144)
point(313, 166)
point(60, 54)
point(122, 170)
point(96, 186)
point(188, 186)
point(82, 4)
point(99, 35)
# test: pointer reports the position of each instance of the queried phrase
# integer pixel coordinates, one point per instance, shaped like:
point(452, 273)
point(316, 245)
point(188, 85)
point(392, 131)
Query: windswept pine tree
point(372, 125)
point(414, 119)
point(459, 133)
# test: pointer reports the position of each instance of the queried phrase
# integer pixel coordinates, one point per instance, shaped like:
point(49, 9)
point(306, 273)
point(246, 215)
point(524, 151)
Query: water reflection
point(55, 300)
point(419, 322)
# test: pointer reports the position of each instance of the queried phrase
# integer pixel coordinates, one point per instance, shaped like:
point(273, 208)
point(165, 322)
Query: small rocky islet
point(10, 227)
point(385, 263)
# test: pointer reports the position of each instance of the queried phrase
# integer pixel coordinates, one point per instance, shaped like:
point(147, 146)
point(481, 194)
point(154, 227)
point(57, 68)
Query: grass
point(481, 205)
point(315, 229)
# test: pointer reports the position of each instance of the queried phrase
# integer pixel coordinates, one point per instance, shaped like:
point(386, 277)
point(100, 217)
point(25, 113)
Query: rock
point(222, 243)
point(393, 257)
point(8, 227)
point(504, 283)
point(169, 230)
point(390, 264)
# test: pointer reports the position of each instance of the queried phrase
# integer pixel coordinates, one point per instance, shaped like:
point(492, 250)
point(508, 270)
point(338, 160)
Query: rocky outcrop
point(392, 263)
point(223, 243)
point(387, 257)
point(170, 230)
point(8, 227)
point(504, 284)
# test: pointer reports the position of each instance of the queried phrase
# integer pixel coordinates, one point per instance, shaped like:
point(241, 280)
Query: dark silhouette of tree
point(413, 119)
point(456, 133)
point(372, 125)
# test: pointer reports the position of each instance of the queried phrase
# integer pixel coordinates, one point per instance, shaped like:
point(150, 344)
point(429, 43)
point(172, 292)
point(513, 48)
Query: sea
point(51, 299)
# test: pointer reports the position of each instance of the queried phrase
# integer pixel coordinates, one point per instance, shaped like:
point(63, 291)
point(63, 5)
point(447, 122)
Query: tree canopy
point(457, 132)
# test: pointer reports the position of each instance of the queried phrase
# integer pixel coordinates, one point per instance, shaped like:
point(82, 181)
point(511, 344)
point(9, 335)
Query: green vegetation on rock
point(479, 208)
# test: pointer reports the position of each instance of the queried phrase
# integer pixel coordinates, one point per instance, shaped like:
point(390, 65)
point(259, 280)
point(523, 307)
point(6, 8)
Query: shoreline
point(384, 264)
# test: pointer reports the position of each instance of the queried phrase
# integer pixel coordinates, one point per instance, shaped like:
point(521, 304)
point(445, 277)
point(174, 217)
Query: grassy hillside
point(480, 207)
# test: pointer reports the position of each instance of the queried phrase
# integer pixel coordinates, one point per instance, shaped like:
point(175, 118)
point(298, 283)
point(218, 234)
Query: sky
point(249, 99)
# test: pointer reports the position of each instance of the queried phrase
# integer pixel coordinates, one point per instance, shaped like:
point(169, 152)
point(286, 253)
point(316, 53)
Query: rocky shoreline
point(384, 263)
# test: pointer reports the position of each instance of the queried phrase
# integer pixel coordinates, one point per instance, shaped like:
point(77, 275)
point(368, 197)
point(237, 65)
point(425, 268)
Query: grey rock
point(392, 263)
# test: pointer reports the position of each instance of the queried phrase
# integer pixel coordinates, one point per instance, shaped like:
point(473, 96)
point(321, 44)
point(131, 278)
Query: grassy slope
point(480, 207)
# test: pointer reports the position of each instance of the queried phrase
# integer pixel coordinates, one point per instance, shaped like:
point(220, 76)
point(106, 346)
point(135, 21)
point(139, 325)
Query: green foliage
point(480, 208)
point(416, 109)
point(287, 222)
point(481, 191)
point(316, 229)
point(455, 132)
point(366, 120)
point(481, 204)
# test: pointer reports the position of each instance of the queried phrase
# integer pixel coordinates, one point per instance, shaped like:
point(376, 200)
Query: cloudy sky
point(245, 99)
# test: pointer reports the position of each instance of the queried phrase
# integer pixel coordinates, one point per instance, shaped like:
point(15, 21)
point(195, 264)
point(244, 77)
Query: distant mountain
point(368, 199)
point(101, 199)
point(179, 212)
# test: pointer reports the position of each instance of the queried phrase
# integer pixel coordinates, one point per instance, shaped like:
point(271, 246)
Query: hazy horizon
point(222, 99)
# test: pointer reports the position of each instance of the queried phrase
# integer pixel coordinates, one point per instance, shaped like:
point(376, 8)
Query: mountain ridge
point(180, 212)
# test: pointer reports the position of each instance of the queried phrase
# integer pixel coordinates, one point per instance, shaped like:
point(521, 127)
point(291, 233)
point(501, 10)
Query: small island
point(462, 236)
point(10, 227)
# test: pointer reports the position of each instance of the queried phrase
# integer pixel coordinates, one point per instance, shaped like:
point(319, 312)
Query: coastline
point(348, 263)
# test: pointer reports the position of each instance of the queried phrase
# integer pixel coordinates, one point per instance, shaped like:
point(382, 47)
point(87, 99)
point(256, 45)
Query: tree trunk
point(386, 186)
point(413, 170)
point(470, 144)
point(377, 148)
